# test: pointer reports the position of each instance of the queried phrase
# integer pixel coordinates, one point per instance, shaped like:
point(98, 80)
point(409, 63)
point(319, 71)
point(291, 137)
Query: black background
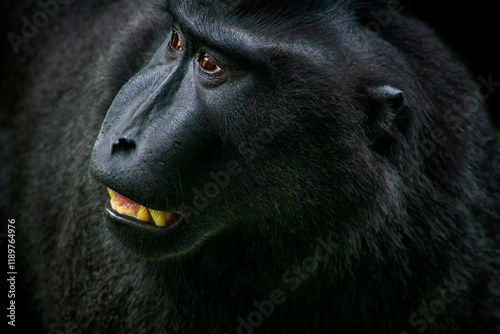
point(471, 28)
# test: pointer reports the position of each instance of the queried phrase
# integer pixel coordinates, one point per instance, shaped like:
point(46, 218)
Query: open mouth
point(126, 207)
point(152, 234)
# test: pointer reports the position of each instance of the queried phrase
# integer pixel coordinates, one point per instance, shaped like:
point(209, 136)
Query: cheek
point(240, 110)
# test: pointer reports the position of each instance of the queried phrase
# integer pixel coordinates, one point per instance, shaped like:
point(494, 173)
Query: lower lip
point(144, 239)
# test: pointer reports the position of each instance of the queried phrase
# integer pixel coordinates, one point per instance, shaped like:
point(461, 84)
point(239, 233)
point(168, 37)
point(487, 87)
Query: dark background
point(469, 27)
point(472, 29)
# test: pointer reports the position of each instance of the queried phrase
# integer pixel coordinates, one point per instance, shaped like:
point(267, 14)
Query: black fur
point(371, 151)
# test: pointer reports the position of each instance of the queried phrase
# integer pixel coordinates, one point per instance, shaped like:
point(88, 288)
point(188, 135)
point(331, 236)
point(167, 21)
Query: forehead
point(278, 17)
point(252, 7)
point(260, 29)
point(229, 13)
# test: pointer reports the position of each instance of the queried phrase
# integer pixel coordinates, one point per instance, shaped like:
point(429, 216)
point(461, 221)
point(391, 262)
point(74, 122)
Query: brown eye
point(176, 41)
point(208, 63)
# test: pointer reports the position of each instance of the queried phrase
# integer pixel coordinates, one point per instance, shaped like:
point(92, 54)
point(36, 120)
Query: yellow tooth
point(115, 204)
point(160, 217)
point(112, 193)
point(125, 211)
point(143, 214)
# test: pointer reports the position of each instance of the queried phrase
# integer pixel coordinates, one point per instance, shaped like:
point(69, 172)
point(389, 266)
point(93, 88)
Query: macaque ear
point(385, 102)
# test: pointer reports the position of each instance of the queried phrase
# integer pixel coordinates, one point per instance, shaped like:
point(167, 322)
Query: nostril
point(123, 145)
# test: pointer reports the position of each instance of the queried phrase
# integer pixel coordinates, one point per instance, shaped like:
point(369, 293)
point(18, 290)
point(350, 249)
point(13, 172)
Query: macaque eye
point(175, 42)
point(208, 63)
